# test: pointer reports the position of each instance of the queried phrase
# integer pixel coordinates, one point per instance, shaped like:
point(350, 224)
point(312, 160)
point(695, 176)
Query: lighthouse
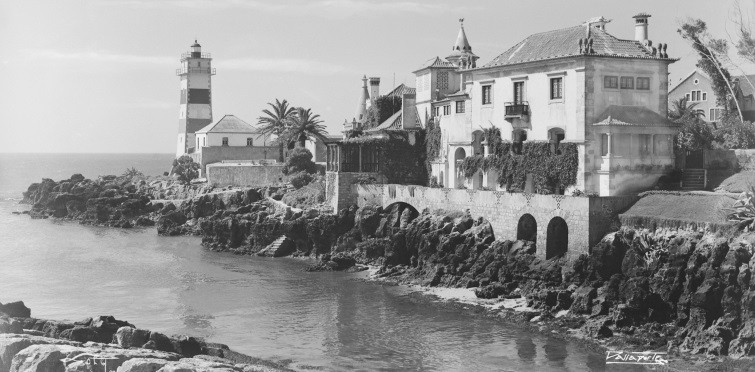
point(196, 97)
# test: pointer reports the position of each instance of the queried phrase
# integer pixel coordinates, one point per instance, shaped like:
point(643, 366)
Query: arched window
point(518, 137)
point(555, 136)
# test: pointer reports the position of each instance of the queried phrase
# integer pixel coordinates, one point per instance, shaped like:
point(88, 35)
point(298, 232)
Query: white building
point(232, 139)
point(579, 84)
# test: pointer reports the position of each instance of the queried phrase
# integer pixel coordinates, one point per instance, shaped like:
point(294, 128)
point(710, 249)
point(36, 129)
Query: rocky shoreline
point(40, 345)
point(677, 291)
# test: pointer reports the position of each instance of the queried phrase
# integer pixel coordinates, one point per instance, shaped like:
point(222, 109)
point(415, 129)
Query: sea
point(264, 307)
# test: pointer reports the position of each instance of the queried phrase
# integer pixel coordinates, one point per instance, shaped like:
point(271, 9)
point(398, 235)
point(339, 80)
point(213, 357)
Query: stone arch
point(557, 240)
point(459, 156)
point(399, 215)
point(526, 229)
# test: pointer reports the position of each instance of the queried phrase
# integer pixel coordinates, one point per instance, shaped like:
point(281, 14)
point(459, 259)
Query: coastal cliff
point(675, 290)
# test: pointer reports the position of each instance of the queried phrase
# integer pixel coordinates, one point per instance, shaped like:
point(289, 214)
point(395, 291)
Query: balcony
point(188, 55)
point(516, 109)
point(204, 70)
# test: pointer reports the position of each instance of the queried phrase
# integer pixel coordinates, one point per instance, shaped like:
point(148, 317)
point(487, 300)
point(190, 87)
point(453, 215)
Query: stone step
point(280, 247)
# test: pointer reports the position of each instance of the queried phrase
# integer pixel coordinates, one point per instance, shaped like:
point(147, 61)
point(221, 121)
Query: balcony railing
point(188, 55)
point(184, 70)
point(516, 109)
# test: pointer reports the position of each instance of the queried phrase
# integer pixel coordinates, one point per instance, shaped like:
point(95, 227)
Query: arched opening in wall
point(518, 137)
point(526, 229)
point(477, 137)
point(558, 238)
point(398, 215)
point(459, 156)
point(555, 136)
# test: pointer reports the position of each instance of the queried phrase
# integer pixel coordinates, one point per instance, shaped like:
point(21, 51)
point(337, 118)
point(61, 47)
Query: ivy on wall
point(549, 170)
point(433, 138)
point(401, 160)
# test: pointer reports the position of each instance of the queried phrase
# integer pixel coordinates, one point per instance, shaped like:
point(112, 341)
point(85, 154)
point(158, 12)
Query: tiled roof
point(400, 90)
point(631, 116)
point(229, 124)
point(565, 43)
point(696, 71)
point(393, 122)
point(436, 63)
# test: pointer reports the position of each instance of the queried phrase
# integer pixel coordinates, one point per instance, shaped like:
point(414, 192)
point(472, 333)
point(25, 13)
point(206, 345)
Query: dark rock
point(15, 309)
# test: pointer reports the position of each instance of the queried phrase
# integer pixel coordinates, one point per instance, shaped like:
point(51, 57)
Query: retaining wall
point(244, 174)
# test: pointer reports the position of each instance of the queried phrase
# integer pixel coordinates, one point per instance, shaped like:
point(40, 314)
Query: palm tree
point(276, 122)
point(304, 125)
point(681, 111)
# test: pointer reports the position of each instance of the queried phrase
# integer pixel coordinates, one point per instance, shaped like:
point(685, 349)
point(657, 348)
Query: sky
point(99, 76)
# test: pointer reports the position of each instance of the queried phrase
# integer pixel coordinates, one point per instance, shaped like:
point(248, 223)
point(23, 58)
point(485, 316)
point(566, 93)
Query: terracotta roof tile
point(565, 42)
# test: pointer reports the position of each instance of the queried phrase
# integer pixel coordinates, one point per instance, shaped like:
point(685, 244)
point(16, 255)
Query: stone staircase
point(693, 179)
point(282, 246)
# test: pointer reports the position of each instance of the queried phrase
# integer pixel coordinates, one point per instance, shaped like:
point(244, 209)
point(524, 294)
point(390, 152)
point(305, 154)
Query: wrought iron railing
point(516, 109)
point(188, 55)
point(185, 70)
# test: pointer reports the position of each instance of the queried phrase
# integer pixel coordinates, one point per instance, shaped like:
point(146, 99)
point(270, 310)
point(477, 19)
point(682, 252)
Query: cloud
point(326, 8)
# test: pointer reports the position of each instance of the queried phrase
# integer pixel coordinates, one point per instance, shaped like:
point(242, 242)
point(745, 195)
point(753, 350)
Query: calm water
point(269, 308)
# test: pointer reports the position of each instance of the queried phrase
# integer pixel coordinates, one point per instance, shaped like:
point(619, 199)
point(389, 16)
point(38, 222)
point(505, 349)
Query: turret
point(196, 50)
point(461, 55)
point(363, 98)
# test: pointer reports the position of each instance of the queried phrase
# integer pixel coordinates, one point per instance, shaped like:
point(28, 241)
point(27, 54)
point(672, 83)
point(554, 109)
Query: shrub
point(695, 134)
point(306, 197)
point(132, 172)
point(743, 211)
point(299, 160)
point(434, 182)
point(300, 179)
point(185, 169)
point(732, 133)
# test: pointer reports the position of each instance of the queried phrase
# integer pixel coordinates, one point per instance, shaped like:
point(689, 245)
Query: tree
point(185, 169)
point(304, 125)
point(746, 43)
point(276, 123)
point(711, 51)
point(732, 133)
point(681, 111)
point(299, 160)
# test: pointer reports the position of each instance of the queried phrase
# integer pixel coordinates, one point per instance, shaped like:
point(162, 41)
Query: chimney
point(374, 88)
point(641, 27)
point(598, 22)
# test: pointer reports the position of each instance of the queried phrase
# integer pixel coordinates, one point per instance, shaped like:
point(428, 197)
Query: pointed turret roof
point(363, 98)
point(462, 44)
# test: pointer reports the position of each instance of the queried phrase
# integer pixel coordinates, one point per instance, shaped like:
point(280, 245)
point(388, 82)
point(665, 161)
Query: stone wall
point(587, 219)
point(214, 154)
point(338, 188)
point(244, 174)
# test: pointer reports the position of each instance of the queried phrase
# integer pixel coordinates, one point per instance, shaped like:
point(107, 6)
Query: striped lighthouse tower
point(196, 98)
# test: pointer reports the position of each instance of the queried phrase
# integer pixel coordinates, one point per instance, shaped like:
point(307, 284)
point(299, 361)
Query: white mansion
point(579, 84)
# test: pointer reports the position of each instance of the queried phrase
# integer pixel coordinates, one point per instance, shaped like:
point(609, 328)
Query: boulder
point(127, 337)
point(597, 328)
point(43, 358)
point(15, 309)
point(142, 365)
point(8, 325)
